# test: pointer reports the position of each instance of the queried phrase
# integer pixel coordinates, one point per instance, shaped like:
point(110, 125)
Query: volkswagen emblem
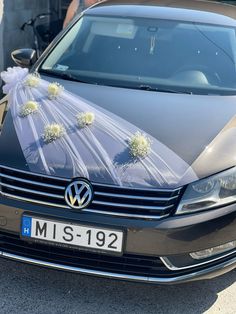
point(79, 194)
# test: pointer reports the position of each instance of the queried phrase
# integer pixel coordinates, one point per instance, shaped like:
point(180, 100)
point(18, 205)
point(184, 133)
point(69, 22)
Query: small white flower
point(85, 119)
point(32, 80)
point(54, 90)
point(53, 132)
point(140, 145)
point(29, 108)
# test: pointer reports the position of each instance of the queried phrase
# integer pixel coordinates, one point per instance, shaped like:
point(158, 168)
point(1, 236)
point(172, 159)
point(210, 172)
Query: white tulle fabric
point(99, 152)
point(13, 76)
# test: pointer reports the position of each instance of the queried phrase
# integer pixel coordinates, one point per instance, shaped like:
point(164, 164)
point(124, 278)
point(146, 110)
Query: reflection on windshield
point(161, 54)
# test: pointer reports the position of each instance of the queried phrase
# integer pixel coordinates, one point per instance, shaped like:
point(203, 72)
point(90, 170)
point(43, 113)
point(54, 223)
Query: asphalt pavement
point(30, 289)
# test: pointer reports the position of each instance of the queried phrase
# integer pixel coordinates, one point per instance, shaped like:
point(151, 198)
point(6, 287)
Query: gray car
point(118, 146)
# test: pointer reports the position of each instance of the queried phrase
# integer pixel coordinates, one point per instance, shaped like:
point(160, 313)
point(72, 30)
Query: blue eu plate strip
point(26, 226)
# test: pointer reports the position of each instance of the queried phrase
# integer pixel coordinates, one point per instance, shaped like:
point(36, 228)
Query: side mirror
point(24, 57)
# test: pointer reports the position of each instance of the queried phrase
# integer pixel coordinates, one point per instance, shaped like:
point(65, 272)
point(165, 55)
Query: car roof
point(210, 12)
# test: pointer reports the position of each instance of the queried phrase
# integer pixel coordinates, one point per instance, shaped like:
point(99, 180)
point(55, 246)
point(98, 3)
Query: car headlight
point(208, 193)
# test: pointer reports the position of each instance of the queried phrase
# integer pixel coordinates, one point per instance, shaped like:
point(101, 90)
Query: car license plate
point(72, 234)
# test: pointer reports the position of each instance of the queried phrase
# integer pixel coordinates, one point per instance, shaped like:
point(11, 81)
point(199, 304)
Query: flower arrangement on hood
point(85, 119)
point(140, 145)
point(29, 108)
point(54, 90)
point(53, 132)
point(32, 80)
point(60, 130)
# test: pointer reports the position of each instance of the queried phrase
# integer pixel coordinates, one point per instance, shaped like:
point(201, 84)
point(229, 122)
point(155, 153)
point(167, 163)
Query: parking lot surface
point(30, 289)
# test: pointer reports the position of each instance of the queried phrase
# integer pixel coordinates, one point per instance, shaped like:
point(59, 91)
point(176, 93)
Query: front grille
point(108, 199)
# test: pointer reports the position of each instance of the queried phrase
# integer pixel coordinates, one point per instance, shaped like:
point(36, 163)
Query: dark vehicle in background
point(45, 27)
point(169, 68)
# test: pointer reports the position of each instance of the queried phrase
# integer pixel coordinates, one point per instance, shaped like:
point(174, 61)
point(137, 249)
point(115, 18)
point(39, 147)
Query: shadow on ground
point(29, 289)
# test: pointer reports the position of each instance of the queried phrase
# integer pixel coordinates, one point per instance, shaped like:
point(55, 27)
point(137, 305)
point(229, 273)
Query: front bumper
point(146, 242)
point(208, 273)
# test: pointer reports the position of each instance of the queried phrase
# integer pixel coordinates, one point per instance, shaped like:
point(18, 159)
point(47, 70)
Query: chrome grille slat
point(35, 174)
point(31, 200)
point(132, 206)
point(85, 210)
point(136, 197)
point(31, 191)
point(108, 199)
point(137, 189)
point(32, 182)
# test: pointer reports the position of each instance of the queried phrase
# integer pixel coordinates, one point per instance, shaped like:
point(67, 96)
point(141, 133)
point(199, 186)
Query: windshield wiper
point(162, 90)
point(64, 75)
point(70, 77)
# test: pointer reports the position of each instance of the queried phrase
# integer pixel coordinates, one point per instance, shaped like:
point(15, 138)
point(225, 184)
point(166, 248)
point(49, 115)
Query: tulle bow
point(13, 76)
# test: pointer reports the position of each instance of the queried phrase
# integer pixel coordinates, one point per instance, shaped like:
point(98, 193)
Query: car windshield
point(149, 54)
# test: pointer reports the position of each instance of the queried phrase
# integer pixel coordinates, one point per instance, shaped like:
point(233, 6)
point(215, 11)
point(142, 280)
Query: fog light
point(214, 251)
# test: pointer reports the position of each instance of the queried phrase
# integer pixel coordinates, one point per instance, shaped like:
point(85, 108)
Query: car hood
point(196, 133)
